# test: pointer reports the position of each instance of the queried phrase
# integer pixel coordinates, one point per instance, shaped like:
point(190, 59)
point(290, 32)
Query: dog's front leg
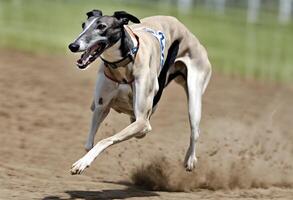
point(143, 98)
point(99, 114)
point(139, 126)
point(104, 92)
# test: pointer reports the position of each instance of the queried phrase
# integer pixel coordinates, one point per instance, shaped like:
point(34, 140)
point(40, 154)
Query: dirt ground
point(245, 148)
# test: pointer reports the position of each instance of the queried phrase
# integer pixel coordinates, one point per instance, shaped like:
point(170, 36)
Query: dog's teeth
point(89, 56)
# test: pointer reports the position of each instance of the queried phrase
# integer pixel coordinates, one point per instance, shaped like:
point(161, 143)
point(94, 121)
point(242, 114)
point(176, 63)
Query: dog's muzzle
point(90, 54)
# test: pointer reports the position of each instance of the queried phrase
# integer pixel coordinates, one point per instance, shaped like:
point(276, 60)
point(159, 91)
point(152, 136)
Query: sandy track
point(44, 117)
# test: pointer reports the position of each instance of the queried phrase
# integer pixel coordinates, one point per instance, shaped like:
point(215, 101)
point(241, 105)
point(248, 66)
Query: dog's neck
point(120, 49)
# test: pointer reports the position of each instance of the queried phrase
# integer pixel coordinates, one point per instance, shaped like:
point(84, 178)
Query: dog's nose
point(73, 47)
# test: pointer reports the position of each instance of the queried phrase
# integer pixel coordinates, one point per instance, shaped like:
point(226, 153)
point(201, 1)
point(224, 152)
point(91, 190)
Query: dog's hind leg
point(196, 83)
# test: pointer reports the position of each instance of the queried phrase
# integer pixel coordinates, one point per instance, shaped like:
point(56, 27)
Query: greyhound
point(138, 62)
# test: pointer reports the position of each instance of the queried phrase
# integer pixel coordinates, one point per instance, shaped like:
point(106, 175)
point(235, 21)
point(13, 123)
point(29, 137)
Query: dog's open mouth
point(91, 54)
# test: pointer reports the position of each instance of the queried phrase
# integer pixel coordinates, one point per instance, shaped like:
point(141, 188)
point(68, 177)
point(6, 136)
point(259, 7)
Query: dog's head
point(99, 33)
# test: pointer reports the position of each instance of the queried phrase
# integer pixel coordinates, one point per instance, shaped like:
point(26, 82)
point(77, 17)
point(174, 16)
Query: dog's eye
point(101, 26)
point(83, 25)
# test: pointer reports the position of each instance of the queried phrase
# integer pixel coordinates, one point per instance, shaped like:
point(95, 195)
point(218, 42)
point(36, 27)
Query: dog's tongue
point(84, 58)
point(79, 61)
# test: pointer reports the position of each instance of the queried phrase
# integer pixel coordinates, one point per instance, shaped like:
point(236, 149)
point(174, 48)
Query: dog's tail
point(172, 54)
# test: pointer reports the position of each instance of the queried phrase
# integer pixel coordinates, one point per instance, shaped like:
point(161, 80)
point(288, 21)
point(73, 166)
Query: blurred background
point(250, 38)
point(246, 140)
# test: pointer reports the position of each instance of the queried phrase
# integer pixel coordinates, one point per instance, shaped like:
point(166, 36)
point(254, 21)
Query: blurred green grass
point(262, 50)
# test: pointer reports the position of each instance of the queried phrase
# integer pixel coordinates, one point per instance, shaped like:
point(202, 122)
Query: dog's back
point(174, 30)
point(170, 24)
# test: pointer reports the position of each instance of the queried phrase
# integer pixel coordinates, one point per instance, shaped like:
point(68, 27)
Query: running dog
point(138, 62)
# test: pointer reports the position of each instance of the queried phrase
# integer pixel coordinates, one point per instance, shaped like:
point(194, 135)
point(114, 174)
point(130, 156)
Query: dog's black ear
point(95, 13)
point(125, 17)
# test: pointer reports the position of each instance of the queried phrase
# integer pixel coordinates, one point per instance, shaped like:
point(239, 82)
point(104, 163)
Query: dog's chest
point(123, 101)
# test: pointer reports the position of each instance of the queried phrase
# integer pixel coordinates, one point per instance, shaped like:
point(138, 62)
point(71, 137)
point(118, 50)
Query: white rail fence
point(254, 7)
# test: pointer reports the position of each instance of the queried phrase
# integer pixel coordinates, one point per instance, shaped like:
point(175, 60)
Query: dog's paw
point(79, 166)
point(190, 160)
point(190, 163)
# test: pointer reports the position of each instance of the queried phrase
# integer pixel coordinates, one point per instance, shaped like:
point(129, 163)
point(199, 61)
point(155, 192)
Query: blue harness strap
point(162, 40)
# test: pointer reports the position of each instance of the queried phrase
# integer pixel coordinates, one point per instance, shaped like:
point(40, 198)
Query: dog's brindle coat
point(111, 38)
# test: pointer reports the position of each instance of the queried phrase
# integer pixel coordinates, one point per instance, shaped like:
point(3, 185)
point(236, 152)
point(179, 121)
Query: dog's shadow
point(126, 193)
